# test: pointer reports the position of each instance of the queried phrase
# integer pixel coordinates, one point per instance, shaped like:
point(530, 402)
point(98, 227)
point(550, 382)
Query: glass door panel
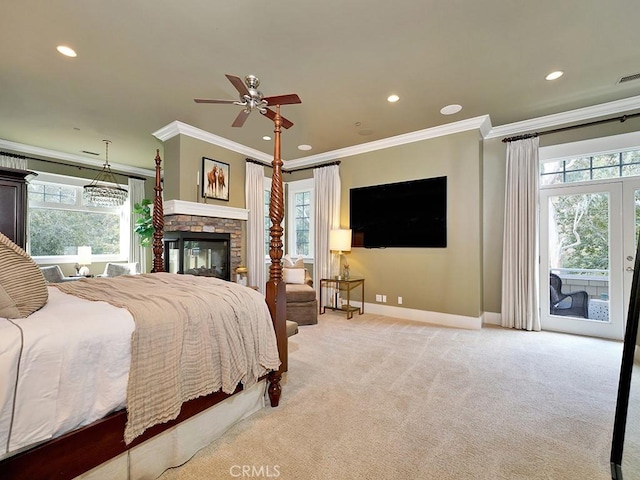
point(580, 276)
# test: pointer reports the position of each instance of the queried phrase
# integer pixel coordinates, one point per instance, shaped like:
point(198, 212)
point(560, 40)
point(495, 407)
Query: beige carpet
point(381, 398)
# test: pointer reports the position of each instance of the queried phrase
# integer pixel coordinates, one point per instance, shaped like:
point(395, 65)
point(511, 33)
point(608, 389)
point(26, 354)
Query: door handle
point(630, 258)
point(629, 269)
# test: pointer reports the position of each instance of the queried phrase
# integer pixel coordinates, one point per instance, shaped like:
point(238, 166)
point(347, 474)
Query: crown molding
point(179, 128)
point(78, 159)
point(564, 118)
point(482, 123)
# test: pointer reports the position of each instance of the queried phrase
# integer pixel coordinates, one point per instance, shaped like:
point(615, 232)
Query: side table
point(342, 285)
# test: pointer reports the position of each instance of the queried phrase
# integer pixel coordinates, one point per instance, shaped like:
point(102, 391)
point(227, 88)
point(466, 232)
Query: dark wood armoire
point(13, 204)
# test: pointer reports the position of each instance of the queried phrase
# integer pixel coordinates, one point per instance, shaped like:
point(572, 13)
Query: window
point(589, 168)
point(300, 218)
point(59, 222)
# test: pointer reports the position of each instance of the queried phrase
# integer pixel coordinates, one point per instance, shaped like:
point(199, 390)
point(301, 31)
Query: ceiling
point(141, 63)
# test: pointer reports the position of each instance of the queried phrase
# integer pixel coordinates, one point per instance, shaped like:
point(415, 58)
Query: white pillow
point(293, 275)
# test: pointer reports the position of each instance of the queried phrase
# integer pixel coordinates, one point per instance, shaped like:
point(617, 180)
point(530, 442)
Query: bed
point(81, 428)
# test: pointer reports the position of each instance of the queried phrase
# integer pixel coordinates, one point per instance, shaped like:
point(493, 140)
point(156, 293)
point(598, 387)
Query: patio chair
point(572, 304)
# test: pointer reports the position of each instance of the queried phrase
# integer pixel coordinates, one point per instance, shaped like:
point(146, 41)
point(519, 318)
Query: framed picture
point(215, 179)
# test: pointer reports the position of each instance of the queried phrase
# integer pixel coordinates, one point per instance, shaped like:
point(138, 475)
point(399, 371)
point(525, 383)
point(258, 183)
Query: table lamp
point(84, 259)
point(340, 241)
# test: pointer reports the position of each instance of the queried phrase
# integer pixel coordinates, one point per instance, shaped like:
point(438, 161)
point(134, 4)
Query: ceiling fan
point(251, 98)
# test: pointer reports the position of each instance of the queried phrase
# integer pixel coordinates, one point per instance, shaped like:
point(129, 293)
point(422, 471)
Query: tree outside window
point(59, 222)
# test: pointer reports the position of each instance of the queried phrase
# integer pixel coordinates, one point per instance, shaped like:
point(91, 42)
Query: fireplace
point(198, 253)
point(203, 238)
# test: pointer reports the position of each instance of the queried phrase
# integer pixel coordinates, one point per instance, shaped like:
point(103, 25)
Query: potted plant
point(144, 224)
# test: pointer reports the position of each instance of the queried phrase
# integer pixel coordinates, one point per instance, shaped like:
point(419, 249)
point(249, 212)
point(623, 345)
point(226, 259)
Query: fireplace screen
point(205, 254)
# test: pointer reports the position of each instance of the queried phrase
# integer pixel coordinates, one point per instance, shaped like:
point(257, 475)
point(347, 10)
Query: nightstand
point(342, 284)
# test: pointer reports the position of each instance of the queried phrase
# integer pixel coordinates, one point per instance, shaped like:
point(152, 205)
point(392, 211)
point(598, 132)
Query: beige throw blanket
point(193, 336)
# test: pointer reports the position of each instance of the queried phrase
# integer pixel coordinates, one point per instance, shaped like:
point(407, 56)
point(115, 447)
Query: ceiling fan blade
point(239, 84)
point(272, 115)
point(283, 99)
point(209, 100)
point(241, 118)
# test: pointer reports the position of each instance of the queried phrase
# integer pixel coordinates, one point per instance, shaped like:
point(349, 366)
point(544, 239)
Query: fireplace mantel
point(183, 207)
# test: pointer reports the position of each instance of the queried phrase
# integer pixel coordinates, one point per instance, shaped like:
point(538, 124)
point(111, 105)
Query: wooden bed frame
point(79, 451)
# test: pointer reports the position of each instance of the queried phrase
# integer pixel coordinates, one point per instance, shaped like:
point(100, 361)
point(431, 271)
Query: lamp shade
point(340, 240)
point(84, 255)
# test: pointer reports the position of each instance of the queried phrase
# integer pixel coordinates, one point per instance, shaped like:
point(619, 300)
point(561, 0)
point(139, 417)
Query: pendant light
point(104, 190)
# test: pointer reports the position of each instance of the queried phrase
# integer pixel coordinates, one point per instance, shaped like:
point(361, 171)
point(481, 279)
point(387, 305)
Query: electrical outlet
point(378, 297)
point(384, 299)
point(399, 300)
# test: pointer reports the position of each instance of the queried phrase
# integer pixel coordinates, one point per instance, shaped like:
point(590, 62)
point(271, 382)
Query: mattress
point(46, 388)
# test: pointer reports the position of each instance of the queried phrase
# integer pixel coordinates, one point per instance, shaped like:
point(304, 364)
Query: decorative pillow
point(22, 286)
point(294, 275)
point(289, 263)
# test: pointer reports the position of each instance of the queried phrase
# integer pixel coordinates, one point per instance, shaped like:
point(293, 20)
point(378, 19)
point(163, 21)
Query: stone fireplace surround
point(183, 216)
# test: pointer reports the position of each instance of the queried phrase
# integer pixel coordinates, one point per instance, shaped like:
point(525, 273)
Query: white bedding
point(59, 393)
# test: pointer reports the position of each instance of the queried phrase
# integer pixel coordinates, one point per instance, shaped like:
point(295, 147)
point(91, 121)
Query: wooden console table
point(343, 285)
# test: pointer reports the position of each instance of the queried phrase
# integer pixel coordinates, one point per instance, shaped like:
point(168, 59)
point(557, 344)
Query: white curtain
point(136, 252)
point(254, 198)
point(327, 203)
point(520, 298)
point(10, 161)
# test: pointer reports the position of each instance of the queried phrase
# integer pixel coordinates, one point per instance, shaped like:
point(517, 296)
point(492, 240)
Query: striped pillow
point(22, 286)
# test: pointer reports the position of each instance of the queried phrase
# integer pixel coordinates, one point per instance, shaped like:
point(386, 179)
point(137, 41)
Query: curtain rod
point(79, 167)
point(337, 162)
point(621, 119)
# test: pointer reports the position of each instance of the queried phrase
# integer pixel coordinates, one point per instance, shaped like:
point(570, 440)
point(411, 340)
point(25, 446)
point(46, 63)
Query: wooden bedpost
point(275, 292)
point(158, 219)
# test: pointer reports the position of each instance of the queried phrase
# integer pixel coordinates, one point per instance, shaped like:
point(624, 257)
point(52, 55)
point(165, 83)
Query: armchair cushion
point(297, 293)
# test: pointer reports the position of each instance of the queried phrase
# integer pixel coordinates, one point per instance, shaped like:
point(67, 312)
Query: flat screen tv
point(409, 214)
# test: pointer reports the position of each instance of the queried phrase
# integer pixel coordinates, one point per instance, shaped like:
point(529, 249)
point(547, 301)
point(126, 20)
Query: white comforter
point(58, 393)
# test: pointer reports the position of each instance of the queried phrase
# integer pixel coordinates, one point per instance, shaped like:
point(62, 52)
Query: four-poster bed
point(81, 450)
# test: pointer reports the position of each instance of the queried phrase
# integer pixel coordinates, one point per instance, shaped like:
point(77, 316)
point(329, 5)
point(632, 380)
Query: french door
point(587, 234)
point(631, 200)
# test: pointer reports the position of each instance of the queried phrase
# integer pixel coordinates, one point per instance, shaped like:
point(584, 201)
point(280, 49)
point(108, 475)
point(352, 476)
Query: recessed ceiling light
point(450, 109)
point(393, 98)
point(266, 137)
point(66, 51)
point(554, 75)
point(304, 147)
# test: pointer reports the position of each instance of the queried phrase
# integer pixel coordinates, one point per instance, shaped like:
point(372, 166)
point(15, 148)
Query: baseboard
point(437, 318)
point(492, 318)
